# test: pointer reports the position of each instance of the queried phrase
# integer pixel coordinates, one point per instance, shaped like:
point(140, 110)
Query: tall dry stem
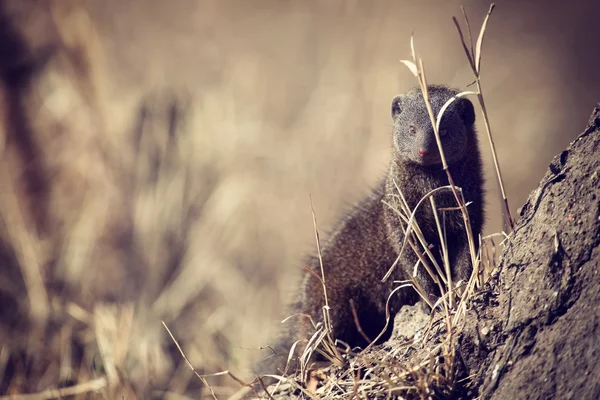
point(474, 57)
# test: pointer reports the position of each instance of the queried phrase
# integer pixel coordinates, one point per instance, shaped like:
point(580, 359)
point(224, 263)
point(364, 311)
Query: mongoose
point(368, 239)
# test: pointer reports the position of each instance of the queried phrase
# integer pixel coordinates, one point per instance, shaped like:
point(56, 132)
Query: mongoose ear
point(467, 112)
point(397, 105)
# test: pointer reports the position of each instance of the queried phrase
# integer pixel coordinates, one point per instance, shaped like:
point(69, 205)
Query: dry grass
point(96, 269)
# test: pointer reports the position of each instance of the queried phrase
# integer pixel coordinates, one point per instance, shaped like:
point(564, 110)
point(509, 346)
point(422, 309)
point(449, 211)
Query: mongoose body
point(367, 241)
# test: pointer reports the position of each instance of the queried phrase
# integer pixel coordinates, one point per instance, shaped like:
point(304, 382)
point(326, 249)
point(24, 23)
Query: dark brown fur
point(368, 239)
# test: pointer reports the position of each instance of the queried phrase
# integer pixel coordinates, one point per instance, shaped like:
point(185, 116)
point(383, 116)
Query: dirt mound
point(535, 332)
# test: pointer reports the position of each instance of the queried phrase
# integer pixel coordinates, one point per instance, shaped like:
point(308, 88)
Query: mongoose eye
point(443, 132)
point(412, 130)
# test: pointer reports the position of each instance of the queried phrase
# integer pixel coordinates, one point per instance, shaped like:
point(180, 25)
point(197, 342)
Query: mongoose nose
point(423, 152)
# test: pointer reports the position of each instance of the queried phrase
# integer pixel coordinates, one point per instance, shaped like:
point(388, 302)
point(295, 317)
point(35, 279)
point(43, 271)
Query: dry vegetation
point(138, 189)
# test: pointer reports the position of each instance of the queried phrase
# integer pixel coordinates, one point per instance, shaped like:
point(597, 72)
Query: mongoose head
point(414, 139)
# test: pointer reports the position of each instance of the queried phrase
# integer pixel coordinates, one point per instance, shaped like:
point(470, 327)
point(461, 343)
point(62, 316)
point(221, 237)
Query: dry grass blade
point(387, 316)
point(290, 356)
point(314, 217)
point(393, 266)
point(411, 66)
point(412, 218)
point(475, 63)
point(438, 140)
point(403, 213)
point(202, 379)
point(357, 322)
point(109, 337)
point(262, 385)
point(443, 242)
point(464, 44)
point(424, 257)
point(331, 352)
point(447, 104)
point(409, 240)
point(462, 8)
point(82, 388)
point(27, 249)
point(480, 38)
point(312, 321)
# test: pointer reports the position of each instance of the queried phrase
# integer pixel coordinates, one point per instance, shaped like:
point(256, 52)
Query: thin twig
point(202, 379)
point(357, 322)
point(444, 245)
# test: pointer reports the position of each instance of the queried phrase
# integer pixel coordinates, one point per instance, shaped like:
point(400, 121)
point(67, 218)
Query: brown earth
point(535, 332)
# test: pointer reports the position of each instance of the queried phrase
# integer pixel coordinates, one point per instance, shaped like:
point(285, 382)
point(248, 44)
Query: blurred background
point(157, 161)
